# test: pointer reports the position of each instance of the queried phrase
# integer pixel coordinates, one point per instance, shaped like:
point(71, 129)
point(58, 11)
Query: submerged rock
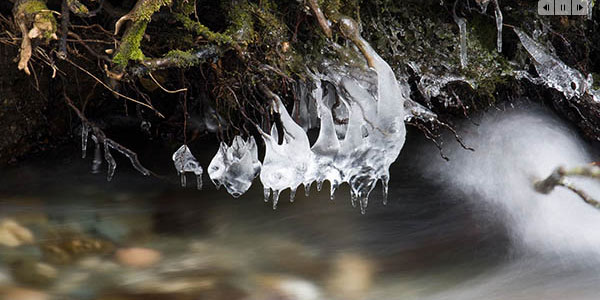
point(12, 234)
point(34, 273)
point(65, 246)
point(138, 257)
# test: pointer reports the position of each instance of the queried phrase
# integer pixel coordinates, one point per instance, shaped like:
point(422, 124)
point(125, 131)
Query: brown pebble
point(16, 293)
point(138, 257)
point(351, 277)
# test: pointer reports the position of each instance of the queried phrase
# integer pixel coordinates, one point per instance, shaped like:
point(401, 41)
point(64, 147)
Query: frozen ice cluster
point(360, 115)
point(358, 149)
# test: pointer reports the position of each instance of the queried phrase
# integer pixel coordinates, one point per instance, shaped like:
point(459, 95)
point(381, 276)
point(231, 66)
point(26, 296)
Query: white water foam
point(514, 148)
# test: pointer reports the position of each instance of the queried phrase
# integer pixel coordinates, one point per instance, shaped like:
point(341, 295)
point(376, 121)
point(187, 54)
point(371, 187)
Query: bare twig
point(64, 27)
point(559, 178)
point(163, 88)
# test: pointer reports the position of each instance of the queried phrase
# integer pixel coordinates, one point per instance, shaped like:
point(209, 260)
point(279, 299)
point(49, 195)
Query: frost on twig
point(559, 177)
point(184, 162)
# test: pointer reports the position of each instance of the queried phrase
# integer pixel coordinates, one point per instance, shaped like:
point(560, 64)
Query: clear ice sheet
point(235, 166)
point(185, 162)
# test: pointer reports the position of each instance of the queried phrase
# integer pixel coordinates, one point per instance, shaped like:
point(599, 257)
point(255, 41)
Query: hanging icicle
point(499, 24)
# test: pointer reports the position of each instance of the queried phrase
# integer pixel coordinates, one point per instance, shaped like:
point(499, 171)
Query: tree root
point(35, 21)
point(178, 59)
point(323, 22)
point(418, 116)
point(559, 178)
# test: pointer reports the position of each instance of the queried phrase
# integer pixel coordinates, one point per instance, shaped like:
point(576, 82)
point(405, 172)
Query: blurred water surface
point(438, 238)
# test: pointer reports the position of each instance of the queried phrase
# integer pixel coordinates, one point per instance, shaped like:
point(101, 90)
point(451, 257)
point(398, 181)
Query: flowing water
point(471, 228)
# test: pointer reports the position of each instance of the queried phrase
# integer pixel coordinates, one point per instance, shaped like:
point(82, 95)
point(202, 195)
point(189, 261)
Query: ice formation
point(184, 162)
point(431, 86)
point(499, 23)
point(85, 130)
point(462, 27)
point(305, 108)
point(499, 19)
point(235, 166)
point(373, 139)
point(554, 73)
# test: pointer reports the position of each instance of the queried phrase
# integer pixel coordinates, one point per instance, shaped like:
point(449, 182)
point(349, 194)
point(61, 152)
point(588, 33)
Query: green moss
point(32, 7)
point(77, 7)
point(183, 12)
point(149, 7)
point(36, 12)
point(200, 29)
point(183, 59)
point(130, 45)
point(131, 41)
point(596, 83)
point(242, 24)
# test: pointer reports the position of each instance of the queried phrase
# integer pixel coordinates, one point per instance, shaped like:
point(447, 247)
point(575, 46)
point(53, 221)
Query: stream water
point(471, 228)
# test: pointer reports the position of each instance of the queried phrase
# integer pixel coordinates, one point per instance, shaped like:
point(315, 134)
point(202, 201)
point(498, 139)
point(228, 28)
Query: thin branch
point(112, 90)
point(163, 88)
point(559, 178)
point(109, 143)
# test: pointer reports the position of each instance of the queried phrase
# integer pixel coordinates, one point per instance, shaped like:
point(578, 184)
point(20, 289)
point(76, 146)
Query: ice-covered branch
point(99, 138)
point(554, 73)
